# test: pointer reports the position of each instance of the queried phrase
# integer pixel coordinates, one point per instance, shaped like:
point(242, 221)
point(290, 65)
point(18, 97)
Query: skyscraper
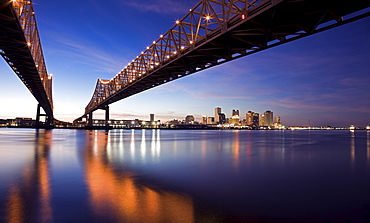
point(217, 116)
point(249, 117)
point(269, 118)
point(255, 122)
point(262, 120)
point(222, 117)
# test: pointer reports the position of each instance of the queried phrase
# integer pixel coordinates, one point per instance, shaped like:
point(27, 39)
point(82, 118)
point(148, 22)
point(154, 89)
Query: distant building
point(204, 119)
point(152, 117)
point(173, 123)
point(255, 120)
point(277, 122)
point(189, 119)
point(269, 118)
point(211, 120)
point(217, 115)
point(277, 119)
point(249, 118)
point(235, 117)
point(262, 120)
point(222, 118)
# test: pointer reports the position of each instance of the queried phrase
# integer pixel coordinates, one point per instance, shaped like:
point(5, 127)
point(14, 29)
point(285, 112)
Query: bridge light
point(182, 47)
point(153, 42)
point(147, 47)
point(177, 21)
point(191, 41)
point(244, 16)
point(28, 44)
point(208, 17)
point(161, 36)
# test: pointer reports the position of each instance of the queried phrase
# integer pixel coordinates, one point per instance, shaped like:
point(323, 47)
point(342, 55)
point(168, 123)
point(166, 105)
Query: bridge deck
point(271, 23)
point(16, 49)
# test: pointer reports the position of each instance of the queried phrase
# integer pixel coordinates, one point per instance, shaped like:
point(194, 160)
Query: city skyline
point(322, 78)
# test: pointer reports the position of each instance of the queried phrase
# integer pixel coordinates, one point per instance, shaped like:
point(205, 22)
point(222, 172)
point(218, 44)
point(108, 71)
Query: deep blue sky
point(324, 78)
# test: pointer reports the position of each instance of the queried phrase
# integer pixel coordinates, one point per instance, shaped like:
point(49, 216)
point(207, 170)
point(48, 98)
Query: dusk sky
point(324, 78)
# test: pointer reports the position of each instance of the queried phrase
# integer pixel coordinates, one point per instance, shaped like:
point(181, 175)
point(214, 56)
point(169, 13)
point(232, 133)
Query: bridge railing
point(207, 19)
point(26, 16)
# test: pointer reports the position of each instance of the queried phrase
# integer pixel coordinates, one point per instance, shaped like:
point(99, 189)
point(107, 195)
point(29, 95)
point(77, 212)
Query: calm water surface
point(184, 176)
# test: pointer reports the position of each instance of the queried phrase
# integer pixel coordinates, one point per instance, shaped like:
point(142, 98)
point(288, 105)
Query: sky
point(323, 79)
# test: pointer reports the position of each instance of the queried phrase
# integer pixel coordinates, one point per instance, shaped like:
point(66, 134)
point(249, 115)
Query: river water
point(184, 176)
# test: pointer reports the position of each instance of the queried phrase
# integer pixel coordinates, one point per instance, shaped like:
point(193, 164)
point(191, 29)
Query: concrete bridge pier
point(89, 118)
point(106, 116)
point(49, 120)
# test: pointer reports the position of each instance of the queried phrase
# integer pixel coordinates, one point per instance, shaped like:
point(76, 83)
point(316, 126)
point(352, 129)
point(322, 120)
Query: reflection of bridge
point(217, 31)
point(21, 48)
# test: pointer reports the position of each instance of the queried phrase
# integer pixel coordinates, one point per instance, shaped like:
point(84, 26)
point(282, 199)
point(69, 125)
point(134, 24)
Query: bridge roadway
point(21, 48)
point(216, 31)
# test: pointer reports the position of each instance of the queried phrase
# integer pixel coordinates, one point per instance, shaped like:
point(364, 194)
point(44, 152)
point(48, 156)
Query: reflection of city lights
point(143, 144)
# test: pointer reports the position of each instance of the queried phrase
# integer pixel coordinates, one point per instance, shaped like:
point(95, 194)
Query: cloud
point(162, 6)
point(86, 52)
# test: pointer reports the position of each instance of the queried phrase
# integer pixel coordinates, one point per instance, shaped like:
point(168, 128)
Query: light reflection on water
point(184, 176)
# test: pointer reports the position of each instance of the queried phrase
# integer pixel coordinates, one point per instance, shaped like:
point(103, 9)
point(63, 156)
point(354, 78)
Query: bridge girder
point(217, 31)
point(20, 46)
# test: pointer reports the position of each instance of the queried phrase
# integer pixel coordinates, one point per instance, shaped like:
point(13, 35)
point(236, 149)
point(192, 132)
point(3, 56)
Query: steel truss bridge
point(21, 48)
point(218, 31)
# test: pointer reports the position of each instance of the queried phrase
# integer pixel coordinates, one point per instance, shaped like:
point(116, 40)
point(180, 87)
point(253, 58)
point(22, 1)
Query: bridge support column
point(49, 120)
point(107, 117)
point(90, 119)
point(38, 116)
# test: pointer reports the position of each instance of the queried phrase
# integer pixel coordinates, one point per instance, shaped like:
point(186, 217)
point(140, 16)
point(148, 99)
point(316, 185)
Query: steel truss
point(217, 31)
point(20, 46)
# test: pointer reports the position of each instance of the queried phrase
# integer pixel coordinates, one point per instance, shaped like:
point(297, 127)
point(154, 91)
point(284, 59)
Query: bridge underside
point(16, 52)
point(271, 24)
